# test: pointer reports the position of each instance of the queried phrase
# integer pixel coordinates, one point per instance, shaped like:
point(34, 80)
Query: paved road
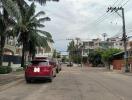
point(75, 84)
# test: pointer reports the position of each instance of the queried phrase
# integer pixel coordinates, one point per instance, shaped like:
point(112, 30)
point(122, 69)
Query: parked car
point(40, 69)
point(55, 62)
point(70, 64)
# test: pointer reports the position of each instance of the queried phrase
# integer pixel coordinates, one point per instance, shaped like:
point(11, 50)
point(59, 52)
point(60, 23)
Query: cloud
point(78, 18)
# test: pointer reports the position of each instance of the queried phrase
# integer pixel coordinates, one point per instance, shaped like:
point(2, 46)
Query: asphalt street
point(74, 83)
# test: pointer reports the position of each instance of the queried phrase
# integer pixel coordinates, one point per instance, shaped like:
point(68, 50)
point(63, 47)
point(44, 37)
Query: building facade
point(45, 52)
point(11, 47)
point(94, 44)
point(115, 43)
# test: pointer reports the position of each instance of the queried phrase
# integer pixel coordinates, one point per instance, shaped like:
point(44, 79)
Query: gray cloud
point(77, 18)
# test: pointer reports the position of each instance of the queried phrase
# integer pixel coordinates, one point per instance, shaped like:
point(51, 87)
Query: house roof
point(120, 53)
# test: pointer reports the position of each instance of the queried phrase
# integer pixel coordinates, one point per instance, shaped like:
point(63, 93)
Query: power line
point(126, 3)
point(119, 3)
point(105, 14)
point(115, 2)
point(118, 33)
point(101, 19)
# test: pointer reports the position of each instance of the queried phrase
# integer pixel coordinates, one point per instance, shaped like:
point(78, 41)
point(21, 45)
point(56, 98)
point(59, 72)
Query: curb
point(9, 85)
point(127, 74)
point(120, 72)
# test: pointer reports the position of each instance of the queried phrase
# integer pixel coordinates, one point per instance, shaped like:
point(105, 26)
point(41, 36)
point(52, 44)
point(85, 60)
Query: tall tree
point(12, 10)
point(29, 24)
point(9, 12)
point(72, 49)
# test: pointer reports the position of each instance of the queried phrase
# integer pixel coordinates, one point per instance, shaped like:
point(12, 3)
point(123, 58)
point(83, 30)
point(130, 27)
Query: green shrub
point(5, 69)
point(19, 69)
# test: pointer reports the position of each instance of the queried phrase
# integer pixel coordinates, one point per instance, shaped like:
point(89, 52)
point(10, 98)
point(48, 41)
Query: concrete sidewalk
point(104, 69)
point(11, 77)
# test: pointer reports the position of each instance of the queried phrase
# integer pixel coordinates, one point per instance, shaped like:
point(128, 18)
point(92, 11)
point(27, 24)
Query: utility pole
point(77, 39)
point(124, 37)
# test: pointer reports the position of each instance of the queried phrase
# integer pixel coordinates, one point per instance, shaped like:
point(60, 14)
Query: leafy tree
point(106, 55)
point(56, 54)
point(99, 56)
point(16, 10)
point(95, 58)
point(64, 59)
point(72, 50)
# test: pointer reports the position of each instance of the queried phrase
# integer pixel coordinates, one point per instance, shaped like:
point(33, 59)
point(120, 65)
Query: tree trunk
point(23, 55)
point(2, 43)
point(1, 56)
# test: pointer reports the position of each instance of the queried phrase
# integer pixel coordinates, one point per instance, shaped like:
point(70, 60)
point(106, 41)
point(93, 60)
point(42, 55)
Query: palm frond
point(42, 2)
point(47, 34)
point(39, 1)
point(44, 19)
point(42, 41)
point(11, 21)
point(49, 39)
point(12, 8)
point(39, 25)
point(39, 14)
point(35, 25)
point(30, 12)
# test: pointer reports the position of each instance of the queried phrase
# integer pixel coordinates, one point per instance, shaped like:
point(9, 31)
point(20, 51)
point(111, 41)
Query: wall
point(118, 64)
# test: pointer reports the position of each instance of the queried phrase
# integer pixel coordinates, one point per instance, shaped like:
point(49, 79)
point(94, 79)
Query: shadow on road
point(39, 82)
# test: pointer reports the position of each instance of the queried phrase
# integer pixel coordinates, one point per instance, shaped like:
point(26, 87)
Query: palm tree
point(28, 25)
point(37, 40)
point(12, 10)
point(43, 1)
point(7, 14)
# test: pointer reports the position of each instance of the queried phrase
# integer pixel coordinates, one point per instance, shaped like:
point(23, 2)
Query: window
point(40, 63)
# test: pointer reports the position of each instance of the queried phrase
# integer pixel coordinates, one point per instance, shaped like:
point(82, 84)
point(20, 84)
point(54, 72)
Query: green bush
point(19, 69)
point(5, 69)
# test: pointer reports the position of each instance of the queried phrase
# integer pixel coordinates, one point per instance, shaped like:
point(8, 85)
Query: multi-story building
point(11, 47)
point(88, 46)
point(115, 43)
point(47, 52)
point(94, 44)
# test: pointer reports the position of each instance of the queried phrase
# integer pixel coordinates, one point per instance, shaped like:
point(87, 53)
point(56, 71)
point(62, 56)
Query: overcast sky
point(81, 18)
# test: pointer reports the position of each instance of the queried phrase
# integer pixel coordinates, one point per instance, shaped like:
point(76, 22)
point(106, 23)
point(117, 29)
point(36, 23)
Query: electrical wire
point(105, 14)
point(125, 2)
point(108, 14)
